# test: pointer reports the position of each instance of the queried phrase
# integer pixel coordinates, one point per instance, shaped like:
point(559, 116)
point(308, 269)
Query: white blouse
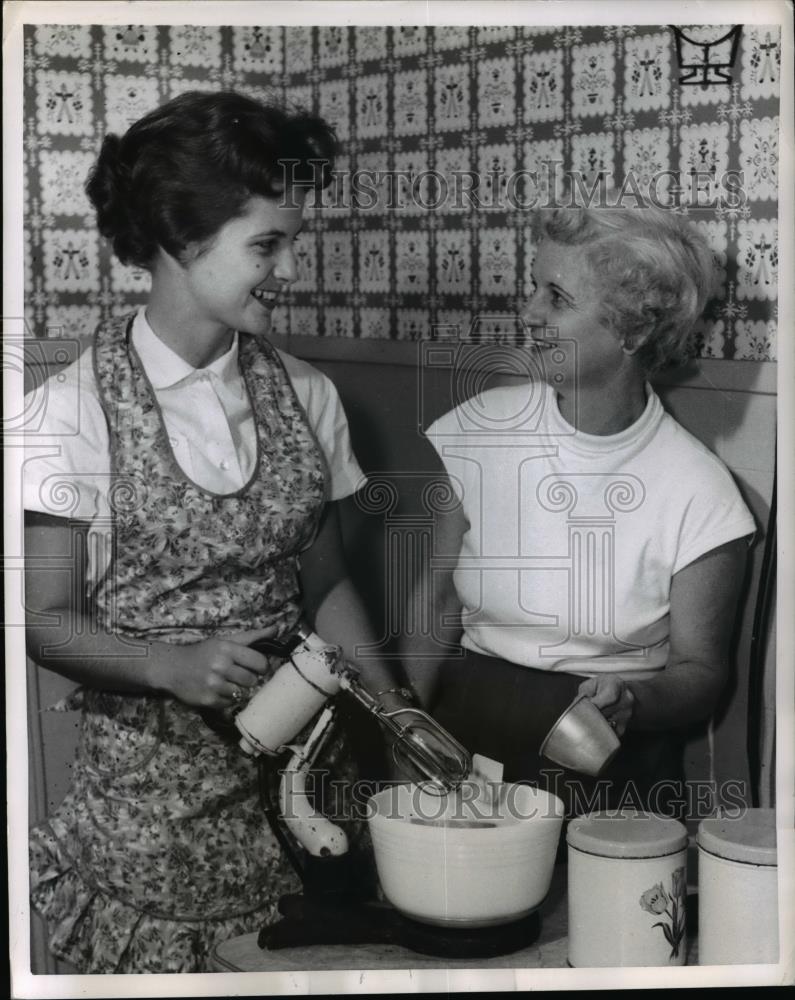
point(207, 415)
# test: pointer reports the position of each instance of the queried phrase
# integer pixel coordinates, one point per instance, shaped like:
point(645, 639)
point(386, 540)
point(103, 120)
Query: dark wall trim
point(706, 373)
point(42, 357)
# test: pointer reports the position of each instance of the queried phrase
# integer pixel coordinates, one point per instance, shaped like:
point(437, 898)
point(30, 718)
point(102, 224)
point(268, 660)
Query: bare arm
point(62, 634)
point(333, 607)
point(704, 599)
point(435, 608)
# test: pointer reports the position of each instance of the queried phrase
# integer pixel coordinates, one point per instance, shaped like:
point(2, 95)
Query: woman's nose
point(532, 313)
point(286, 269)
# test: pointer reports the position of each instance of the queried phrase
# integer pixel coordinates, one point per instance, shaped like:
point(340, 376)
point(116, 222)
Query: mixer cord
point(268, 782)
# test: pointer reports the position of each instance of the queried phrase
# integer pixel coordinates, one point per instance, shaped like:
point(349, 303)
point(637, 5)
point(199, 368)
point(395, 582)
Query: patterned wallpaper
point(427, 223)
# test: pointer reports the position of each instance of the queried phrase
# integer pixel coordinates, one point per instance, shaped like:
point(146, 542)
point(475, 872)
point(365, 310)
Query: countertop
point(548, 951)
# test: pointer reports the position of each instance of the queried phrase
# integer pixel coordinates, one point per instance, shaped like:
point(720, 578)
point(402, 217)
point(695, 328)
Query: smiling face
point(231, 284)
point(568, 302)
point(236, 280)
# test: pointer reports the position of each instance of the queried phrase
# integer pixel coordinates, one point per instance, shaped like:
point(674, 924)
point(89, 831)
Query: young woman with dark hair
point(203, 469)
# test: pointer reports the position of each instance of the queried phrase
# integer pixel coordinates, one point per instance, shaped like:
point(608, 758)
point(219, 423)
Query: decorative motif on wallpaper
point(419, 232)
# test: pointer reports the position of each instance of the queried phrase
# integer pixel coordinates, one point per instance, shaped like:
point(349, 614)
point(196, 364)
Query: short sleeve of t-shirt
point(323, 407)
point(715, 512)
point(67, 466)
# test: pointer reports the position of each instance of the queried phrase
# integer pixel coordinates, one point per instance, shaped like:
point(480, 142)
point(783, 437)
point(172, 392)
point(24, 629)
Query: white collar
point(165, 368)
point(633, 436)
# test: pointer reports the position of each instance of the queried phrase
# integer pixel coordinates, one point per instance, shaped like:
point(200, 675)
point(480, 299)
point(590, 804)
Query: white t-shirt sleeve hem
point(83, 508)
point(323, 407)
point(739, 528)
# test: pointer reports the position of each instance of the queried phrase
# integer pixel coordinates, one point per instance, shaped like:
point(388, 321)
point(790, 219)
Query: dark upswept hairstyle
point(185, 169)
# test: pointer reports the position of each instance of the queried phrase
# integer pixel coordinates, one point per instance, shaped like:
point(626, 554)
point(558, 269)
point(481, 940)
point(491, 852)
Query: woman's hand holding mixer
point(216, 673)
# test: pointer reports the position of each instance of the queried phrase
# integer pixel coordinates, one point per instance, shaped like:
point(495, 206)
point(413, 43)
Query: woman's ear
point(629, 345)
point(632, 343)
point(648, 322)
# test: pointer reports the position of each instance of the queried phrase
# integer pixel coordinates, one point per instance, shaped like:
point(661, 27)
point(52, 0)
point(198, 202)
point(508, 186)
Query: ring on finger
point(237, 694)
point(613, 723)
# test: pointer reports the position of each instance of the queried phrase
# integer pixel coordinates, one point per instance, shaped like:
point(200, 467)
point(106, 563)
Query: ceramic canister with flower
point(627, 890)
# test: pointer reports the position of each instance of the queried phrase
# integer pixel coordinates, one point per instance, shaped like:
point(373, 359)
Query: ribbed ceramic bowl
point(477, 870)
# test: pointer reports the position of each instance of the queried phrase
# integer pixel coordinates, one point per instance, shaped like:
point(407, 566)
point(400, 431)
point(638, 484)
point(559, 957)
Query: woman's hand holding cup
point(613, 697)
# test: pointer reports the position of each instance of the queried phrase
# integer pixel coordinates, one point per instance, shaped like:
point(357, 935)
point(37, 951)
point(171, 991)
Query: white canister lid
point(626, 833)
point(750, 838)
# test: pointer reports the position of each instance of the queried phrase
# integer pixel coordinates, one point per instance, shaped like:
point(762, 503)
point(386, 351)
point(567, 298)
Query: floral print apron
point(161, 849)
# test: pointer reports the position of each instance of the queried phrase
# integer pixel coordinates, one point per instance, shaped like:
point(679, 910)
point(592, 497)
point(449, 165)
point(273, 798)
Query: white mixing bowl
point(485, 868)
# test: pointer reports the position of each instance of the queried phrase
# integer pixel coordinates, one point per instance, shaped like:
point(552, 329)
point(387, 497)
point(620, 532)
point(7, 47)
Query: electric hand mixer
point(337, 906)
point(331, 909)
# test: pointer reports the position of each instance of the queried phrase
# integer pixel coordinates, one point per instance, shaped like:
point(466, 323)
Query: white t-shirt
point(573, 538)
point(207, 415)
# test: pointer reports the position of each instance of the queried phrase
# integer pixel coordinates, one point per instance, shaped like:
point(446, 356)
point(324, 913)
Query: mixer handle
point(282, 649)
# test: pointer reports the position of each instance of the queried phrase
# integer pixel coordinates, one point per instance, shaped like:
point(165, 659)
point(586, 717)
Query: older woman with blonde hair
point(595, 542)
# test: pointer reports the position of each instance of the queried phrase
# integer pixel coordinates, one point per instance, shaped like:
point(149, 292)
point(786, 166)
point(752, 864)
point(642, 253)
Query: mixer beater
point(338, 903)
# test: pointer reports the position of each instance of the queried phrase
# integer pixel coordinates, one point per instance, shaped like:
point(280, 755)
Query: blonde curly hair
point(656, 270)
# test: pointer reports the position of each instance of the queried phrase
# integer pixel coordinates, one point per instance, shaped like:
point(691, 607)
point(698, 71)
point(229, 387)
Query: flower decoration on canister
point(657, 901)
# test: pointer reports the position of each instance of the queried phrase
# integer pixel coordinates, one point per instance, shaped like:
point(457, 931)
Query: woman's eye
point(266, 248)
